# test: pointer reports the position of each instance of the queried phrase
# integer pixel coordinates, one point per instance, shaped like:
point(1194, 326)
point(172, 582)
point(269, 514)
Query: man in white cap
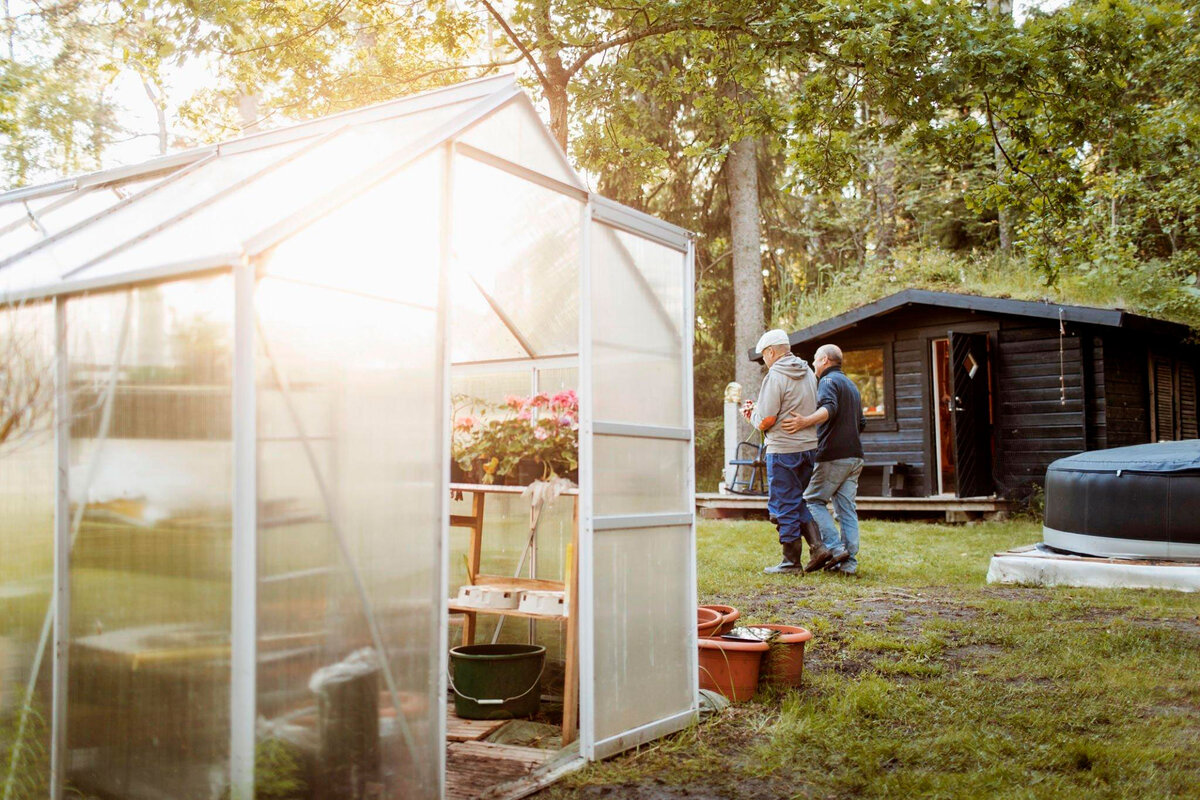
point(789, 388)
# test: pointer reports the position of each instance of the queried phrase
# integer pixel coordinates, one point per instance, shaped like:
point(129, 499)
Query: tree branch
point(516, 40)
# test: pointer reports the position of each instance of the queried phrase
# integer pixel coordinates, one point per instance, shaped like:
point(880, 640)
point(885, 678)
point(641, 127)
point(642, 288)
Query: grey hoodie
point(789, 386)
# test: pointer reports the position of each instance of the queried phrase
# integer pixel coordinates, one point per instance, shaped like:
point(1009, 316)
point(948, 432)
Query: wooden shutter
point(1162, 399)
point(1188, 423)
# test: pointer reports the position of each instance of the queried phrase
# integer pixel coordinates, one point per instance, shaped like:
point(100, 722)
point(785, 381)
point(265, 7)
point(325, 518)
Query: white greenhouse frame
point(479, 101)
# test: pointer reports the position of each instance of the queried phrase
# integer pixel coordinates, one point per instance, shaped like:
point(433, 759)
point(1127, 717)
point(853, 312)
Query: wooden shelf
point(455, 608)
point(493, 488)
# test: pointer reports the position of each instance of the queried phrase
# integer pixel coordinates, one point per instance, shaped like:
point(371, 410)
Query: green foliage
point(27, 762)
point(278, 772)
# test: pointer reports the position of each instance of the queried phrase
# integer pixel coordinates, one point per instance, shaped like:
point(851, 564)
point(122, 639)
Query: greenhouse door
point(638, 648)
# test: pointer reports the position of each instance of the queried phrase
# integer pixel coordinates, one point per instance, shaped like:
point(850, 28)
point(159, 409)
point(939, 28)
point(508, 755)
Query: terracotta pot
point(707, 621)
point(783, 664)
point(729, 617)
point(731, 667)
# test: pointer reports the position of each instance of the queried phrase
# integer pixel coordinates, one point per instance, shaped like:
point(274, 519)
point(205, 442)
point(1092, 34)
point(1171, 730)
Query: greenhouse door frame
point(606, 212)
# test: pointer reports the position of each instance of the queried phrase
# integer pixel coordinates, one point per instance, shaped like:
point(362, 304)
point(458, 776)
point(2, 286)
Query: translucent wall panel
point(349, 566)
point(519, 246)
point(151, 483)
point(26, 542)
point(641, 476)
point(516, 134)
point(637, 302)
point(643, 612)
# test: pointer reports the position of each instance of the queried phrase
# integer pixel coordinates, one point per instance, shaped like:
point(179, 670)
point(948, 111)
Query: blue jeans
point(787, 478)
point(836, 480)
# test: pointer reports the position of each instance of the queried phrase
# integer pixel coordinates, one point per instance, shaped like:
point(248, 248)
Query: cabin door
point(971, 417)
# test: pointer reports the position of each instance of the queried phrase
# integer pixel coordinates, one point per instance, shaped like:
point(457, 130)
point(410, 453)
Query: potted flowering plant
point(518, 441)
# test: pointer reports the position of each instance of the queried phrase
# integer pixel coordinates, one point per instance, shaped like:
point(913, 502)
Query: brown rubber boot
point(818, 553)
point(793, 560)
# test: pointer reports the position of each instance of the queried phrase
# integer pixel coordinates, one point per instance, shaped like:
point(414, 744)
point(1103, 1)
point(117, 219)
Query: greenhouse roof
point(213, 207)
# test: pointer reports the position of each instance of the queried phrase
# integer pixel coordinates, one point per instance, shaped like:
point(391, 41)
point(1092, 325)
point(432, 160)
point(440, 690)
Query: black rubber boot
point(818, 553)
point(792, 562)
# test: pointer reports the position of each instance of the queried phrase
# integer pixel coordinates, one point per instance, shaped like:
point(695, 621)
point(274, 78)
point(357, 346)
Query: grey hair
point(832, 352)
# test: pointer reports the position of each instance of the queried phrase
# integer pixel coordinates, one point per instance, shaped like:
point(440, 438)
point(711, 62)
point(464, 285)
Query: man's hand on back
point(795, 423)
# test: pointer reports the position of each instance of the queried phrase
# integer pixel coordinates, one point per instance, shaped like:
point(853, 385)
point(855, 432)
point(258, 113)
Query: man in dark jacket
point(839, 458)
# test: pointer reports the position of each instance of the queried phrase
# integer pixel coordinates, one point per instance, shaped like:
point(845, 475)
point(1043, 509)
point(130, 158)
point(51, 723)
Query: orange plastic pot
point(729, 617)
point(707, 621)
point(783, 664)
point(731, 667)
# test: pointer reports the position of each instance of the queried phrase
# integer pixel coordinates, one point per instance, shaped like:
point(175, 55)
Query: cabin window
point(871, 370)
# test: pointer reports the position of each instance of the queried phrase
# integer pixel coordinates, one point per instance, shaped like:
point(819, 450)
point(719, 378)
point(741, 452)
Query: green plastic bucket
point(496, 681)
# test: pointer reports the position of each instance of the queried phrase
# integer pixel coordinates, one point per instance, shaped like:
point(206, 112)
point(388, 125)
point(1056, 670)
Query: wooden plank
point(571, 675)
point(471, 611)
point(469, 730)
point(509, 582)
point(474, 769)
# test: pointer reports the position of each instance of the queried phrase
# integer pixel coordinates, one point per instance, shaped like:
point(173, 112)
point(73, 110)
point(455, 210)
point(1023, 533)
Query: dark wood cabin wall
point(908, 333)
point(1040, 401)
point(1126, 391)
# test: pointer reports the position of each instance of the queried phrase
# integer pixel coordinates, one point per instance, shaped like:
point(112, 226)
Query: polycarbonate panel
point(558, 379)
point(515, 134)
point(644, 617)
point(348, 497)
point(472, 389)
point(224, 226)
point(54, 218)
point(26, 543)
point(637, 322)
point(341, 250)
point(520, 243)
point(641, 476)
point(140, 216)
point(151, 482)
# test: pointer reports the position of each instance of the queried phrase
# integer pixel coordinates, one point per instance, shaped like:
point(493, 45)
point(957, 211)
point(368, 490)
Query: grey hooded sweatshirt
point(790, 386)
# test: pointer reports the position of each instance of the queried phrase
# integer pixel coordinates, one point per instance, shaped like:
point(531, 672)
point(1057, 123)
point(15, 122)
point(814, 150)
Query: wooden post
point(474, 554)
point(571, 676)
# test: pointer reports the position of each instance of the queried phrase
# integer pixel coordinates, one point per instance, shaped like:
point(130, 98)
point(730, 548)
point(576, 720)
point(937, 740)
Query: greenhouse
point(234, 381)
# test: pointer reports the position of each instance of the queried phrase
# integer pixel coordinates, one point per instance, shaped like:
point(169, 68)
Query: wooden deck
point(711, 505)
point(479, 769)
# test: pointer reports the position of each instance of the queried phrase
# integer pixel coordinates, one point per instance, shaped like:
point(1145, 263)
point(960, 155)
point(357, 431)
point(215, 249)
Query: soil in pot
point(731, 667)
point(729, 617)
point(707, 621)
point(783, 663)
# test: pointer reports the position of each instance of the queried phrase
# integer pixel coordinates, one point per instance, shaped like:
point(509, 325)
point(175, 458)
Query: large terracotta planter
point(783, 664)
point(731, 667)
point(707, 621)
point(729, 617)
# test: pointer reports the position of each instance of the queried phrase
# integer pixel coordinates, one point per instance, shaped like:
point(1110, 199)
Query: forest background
point(826, 152)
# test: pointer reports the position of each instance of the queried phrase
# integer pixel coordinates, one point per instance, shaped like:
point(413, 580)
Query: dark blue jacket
point(838, 437)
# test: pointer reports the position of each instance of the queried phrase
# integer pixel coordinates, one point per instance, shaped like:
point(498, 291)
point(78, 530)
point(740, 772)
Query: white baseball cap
point(772, 337)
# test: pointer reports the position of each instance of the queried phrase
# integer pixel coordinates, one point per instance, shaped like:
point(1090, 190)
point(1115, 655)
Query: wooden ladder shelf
point(569, 586)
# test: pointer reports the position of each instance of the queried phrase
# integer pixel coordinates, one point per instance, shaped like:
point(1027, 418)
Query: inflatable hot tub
point(1128, 502)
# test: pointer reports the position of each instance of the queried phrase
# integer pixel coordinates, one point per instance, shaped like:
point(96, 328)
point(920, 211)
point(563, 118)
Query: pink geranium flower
point(540, 400)
point(466, 423)
point(514, 402)
point(541, 434)
point(525, 414)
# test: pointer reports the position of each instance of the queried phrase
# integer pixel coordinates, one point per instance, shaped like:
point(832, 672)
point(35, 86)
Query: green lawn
point(923, 681)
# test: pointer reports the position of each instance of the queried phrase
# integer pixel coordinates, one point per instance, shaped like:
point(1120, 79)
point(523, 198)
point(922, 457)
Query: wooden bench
point(891, 476)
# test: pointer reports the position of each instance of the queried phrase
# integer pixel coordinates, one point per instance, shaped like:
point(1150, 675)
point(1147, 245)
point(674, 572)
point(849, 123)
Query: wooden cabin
point(974, 396)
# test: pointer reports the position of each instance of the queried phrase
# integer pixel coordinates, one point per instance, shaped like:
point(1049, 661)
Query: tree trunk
point(556, 96)
point(1001, 8)
point(885, 196)
point(741, 181)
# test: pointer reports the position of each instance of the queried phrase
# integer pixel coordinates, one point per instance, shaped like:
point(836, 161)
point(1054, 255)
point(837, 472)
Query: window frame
point(887, 423)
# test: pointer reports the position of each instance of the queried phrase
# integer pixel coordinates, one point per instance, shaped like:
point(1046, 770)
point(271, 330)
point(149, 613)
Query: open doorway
point(944, 477)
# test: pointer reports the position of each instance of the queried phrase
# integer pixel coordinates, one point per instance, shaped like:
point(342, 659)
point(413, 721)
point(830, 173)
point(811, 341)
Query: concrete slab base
point(1040, 566)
